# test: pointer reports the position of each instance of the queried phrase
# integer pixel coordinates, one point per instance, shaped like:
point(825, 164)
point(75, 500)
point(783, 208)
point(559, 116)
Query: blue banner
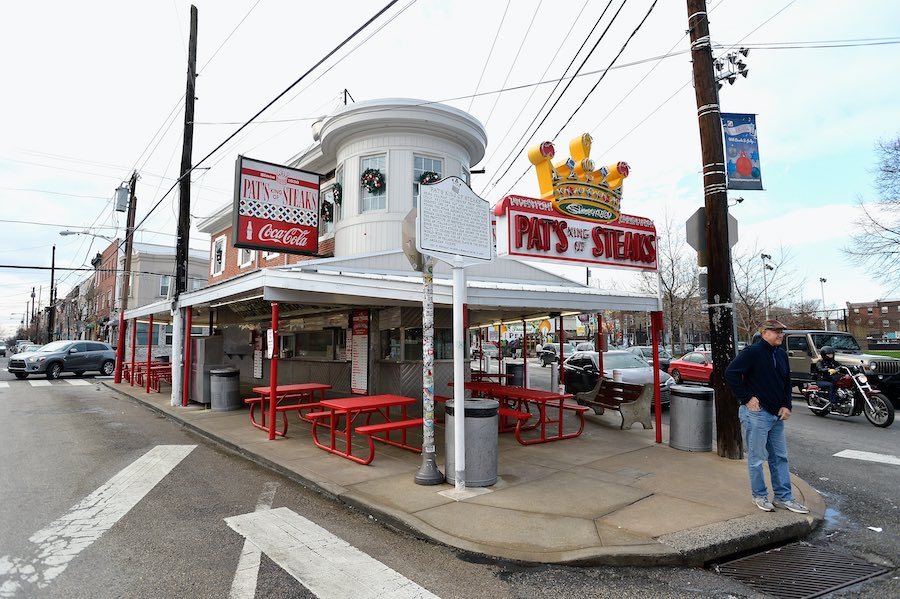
point(741, 151)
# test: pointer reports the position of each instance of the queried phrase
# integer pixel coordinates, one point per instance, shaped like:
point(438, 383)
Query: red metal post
point(186, 379)
point(601, 337)
point(562, 353)
point(273, 371)
point(656, 326)
point(133, 348)
point(120, 348)
point(149, 350)
point(499, 348)
point(524, 355)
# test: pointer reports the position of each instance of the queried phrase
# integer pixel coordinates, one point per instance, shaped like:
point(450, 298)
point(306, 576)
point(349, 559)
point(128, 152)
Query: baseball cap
point(772, 325)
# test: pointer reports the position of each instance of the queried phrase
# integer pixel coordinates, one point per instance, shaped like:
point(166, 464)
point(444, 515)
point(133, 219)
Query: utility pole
point(184, 219)
point(721, 307)
point(126, 276)
point(52, 311)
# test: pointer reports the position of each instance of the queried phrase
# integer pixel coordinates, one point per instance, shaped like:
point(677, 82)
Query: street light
point(766, 266)
point(67, 232)
point(822, 282)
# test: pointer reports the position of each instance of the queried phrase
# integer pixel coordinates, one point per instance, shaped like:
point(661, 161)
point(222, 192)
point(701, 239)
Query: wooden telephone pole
point(721, 306)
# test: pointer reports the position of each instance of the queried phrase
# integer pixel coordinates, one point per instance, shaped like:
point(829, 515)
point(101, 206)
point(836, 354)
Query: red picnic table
point(551, 409)
point(348, 409)
point(479, 376)
point(304, 393)
point(160, 372)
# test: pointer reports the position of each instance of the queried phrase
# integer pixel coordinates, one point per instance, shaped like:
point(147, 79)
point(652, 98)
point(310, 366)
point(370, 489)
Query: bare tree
point(677, 276)
point(754, 285)
point(877, 242)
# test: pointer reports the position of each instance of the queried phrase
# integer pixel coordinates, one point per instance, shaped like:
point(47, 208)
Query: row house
point(879, 319)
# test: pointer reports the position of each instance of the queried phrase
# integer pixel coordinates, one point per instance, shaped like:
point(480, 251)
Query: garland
point(429, 177)
point(338, 193)
point(327, 212)
point(373, 180)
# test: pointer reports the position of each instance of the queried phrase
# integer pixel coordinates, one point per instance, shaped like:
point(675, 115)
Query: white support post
point(177, 353)
point(459, 401)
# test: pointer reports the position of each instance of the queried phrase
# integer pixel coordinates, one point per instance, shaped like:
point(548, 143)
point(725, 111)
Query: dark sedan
point(582, 370)
point(646, 352)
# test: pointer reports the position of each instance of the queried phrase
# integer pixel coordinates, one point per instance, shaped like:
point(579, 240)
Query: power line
point(487, 60)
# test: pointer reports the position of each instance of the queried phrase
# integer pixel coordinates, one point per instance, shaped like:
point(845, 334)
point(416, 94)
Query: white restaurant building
point(361, 264)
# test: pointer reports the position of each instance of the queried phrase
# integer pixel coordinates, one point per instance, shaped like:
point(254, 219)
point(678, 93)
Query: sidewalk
point(607, 497)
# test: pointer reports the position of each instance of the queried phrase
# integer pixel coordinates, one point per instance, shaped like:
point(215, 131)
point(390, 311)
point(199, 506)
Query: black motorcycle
point(852, 395)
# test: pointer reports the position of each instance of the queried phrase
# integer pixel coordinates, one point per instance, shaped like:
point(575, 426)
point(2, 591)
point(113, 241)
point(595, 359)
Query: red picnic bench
point(304, 393)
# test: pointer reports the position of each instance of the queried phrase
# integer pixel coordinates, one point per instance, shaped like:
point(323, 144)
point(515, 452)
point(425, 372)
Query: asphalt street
point(64, 441)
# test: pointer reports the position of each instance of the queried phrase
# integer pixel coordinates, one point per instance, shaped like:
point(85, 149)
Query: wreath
point(327, 212)
point(373, 180)
point(338, 193)
point(429, 177)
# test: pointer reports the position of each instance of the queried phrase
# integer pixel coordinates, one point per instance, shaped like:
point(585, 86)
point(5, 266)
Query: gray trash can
point(481, 442)
point(691, 411)
point(518, 374)
point(224, 389)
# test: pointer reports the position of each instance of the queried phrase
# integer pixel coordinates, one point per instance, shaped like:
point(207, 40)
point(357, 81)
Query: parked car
point(585, 346)
point(30, 348)
point(582, 370)
point(489, 348)
point(2, 350)
point(550, 352)
point(64, 356)
point(694, 366)
point(646, 352)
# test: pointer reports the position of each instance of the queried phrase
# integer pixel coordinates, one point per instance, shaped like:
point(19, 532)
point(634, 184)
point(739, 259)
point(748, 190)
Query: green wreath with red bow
point(372, 180)
point(429, 178)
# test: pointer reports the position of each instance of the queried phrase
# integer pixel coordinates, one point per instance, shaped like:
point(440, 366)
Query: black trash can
point(224, 389)
point(691, 412)
point(518, 374)
point(481, 442)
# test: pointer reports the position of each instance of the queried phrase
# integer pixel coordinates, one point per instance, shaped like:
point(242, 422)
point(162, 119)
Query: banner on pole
point(741, 151)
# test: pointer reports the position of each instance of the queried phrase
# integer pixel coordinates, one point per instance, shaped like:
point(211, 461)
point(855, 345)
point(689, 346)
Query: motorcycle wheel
point(883, 413)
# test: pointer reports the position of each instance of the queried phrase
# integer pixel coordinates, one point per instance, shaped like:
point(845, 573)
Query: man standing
point(760, 378)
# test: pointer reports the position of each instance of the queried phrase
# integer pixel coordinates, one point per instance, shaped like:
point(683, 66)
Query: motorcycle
point(852, 395)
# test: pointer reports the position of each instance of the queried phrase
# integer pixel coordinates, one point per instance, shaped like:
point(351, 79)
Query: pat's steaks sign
point(531, 228)
point(276, 208)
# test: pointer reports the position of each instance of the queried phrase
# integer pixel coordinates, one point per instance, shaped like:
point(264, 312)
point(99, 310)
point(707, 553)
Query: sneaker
point(764, 504)
point(792, 505)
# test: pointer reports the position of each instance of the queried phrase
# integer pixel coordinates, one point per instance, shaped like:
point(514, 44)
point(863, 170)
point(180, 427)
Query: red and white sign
point(276, 208)
point(359, 360)
point(532, 229)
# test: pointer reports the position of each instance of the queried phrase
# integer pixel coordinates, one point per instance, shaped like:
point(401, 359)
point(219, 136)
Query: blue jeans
point(764, 434)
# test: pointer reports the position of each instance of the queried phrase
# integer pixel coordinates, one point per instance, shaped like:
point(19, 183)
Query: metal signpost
point(454, 225)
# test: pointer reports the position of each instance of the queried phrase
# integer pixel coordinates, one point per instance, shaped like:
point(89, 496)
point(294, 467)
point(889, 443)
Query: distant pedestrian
point(760, 378)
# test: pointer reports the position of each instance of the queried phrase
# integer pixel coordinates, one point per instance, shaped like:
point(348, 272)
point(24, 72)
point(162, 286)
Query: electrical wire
point(487, 60)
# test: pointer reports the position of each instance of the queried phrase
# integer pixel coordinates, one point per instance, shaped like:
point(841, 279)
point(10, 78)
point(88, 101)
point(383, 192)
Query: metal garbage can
point(481, 442)
point(691, 412)
point(225, 389)
point(518, 374)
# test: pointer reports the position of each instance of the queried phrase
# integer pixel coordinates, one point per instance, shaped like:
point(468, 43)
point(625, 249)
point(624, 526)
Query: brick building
point(874, 320)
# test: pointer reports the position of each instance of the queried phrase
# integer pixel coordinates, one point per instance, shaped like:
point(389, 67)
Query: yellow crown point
point(580, 147)
point(541, 156)
point(617, 174)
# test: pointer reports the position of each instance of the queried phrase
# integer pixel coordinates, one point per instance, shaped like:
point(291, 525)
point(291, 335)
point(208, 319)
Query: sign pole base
point(428, 473)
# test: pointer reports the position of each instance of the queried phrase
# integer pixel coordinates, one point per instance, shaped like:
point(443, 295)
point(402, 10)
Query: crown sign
point(575, 185)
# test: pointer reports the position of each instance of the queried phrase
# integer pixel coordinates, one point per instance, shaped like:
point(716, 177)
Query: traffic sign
point(695, 234)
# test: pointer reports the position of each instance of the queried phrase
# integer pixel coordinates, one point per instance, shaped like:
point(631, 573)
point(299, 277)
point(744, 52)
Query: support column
point(601, 338)
point(133, 348)
point(120, 348)
point(186, 379)
point(562, 356)
point(524, 355)
point(273, 372)
point(428, 473)
point(149, 351)
point(656, 324)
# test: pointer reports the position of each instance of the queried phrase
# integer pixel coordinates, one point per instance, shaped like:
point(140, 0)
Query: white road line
point(4, 385)
point(85, 522)
point(868, 456)
point(40, 383)
point(77, 382)
point(325, 564)
point(245, 576)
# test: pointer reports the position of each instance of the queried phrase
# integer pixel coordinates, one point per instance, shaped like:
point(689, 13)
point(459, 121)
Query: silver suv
point(803, 347)
point(64, 356)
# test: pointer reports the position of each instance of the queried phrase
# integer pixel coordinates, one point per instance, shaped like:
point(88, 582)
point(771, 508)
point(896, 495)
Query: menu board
point(359, 359)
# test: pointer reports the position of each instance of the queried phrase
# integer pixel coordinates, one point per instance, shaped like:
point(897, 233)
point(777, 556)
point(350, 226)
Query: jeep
point(803, 347)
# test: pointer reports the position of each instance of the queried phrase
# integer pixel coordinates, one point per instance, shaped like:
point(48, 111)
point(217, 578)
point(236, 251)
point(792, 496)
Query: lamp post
point(766, 266)
point(822, 282)
point(85, 232)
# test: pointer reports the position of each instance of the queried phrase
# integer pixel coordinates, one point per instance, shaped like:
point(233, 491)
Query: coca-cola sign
point(276, 208)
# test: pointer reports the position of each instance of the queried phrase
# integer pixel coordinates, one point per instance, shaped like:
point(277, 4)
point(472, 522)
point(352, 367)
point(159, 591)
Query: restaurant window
point(168, 334)
point(412, 344)
point(217, 265)
point(373, 200)
point(327, 205)
point(422, 165)
point(314, 344)
point(245, 257)
point(443, 344)
point(287, 346)
point(270, 255)
point(390, 344)
point(164, 282)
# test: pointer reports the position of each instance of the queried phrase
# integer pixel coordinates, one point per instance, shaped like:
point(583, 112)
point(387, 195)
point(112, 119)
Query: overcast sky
point(94, 90)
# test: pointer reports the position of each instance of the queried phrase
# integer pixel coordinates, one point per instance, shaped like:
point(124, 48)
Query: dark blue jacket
point(761, 371)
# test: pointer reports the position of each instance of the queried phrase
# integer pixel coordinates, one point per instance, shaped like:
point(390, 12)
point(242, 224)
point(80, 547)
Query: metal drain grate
point(799, 571)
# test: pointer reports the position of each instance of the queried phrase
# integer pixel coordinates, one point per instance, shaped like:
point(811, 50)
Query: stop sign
point(696, 233)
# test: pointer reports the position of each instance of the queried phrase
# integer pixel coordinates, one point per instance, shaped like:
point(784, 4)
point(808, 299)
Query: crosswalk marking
point(869, 456)
point(325, 564)
point(61, 541)
point(39, 383)
point(245, 576)
point(77, 382)
point(4, 385)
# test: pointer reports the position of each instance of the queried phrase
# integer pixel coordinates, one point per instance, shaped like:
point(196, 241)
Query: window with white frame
point(327, 206)
point(339, 182)
point(217, 264)
point(245, 257)
point(271, 255)
point(164, 282)
point(884, 309)
point(464, 174)
point(374, 200)
point(885, 323)
point(422, 165)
